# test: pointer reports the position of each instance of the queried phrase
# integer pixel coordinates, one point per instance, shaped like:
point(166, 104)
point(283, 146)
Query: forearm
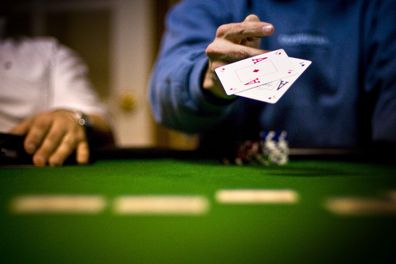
point(177, 98)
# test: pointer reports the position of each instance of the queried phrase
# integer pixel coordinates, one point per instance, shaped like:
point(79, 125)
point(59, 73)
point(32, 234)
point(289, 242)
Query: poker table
point(302, 232)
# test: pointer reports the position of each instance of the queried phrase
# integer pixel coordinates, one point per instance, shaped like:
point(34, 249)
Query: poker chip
point(271, 148)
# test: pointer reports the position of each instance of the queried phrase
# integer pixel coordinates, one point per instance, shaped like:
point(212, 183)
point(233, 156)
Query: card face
point(273, 91)
point(255, 71)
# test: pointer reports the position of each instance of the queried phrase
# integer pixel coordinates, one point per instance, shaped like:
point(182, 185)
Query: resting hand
point(233, 42)
point(52, 136)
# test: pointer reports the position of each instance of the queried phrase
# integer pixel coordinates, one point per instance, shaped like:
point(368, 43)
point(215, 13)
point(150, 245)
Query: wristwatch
point(83, 120)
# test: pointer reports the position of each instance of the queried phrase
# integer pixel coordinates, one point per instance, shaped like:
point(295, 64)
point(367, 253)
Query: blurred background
point(119, 41)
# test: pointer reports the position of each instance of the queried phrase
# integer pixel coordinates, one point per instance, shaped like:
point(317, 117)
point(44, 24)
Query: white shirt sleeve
point(40, 75)
point(69, 84)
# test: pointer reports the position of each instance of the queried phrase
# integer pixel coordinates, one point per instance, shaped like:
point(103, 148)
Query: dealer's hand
point(233, 42)
point(52, 136)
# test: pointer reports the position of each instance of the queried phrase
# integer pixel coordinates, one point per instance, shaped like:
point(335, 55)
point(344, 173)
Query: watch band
point(82, 119)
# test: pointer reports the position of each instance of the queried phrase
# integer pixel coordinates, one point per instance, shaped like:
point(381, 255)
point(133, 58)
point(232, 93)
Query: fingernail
point(30, 148)
point(39, 160)
point(268, 28)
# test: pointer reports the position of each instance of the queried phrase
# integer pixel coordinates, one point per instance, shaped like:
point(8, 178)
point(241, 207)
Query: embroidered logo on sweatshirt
point(302, 39)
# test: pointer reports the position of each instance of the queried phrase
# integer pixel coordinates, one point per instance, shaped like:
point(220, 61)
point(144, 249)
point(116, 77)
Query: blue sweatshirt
point(346, 98)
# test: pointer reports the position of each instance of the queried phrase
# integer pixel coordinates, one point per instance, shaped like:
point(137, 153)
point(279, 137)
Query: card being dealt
point(265, 77)
point(273, 91)
point(255, 71)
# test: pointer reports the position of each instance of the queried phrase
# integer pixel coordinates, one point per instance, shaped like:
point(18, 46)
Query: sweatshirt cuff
point(205, 99)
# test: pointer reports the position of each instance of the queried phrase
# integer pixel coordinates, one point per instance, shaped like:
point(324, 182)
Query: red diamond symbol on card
point(256, 70)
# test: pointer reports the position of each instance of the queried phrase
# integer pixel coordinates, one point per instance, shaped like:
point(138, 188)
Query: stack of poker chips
point(275, 147)
point(271, 148)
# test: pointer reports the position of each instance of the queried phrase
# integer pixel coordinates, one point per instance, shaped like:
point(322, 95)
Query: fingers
point(51, 145)
point(255, 41)
point(66, 147)
point(22, 128)
point(252, 17)
point(83, 152)
point(233, 42)
point(251, 27)
point(37, 131)
point(52, 140)
point(222, 51)
point(238, 41)
point(53, 136)
point(65, 138)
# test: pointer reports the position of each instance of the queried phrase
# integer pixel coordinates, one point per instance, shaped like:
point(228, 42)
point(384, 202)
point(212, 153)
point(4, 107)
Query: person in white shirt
point(45, 95)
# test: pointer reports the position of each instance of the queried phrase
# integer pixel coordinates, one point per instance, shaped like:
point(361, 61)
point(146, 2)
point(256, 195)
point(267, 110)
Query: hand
point(233, 42)
point(52, 136)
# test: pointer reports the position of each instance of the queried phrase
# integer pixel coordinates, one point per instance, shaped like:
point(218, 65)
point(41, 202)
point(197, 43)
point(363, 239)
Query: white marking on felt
point(353, 206)
point(161, 204)
point(253, 196)
point(58, 204)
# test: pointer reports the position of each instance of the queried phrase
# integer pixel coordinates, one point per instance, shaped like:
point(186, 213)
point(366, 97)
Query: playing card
point(273, 91)
point(255, 71)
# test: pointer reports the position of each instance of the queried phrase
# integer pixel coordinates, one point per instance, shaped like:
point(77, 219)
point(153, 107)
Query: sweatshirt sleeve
point(176, 95)
point(381, 71)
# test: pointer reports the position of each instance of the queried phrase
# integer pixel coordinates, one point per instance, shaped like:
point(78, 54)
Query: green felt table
point(305, 232)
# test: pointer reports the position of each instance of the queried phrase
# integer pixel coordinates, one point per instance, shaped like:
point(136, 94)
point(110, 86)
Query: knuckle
point(46, 148)
point(222, 30)
point(42, 119)
point(52, 137)
point(210, 49)
point(64, 150)
point(236, 30)
point(252, 17)
point(240, 54)
point(68, 143)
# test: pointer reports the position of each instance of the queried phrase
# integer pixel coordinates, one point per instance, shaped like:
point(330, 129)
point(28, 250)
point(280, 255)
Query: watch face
point(82, 119)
